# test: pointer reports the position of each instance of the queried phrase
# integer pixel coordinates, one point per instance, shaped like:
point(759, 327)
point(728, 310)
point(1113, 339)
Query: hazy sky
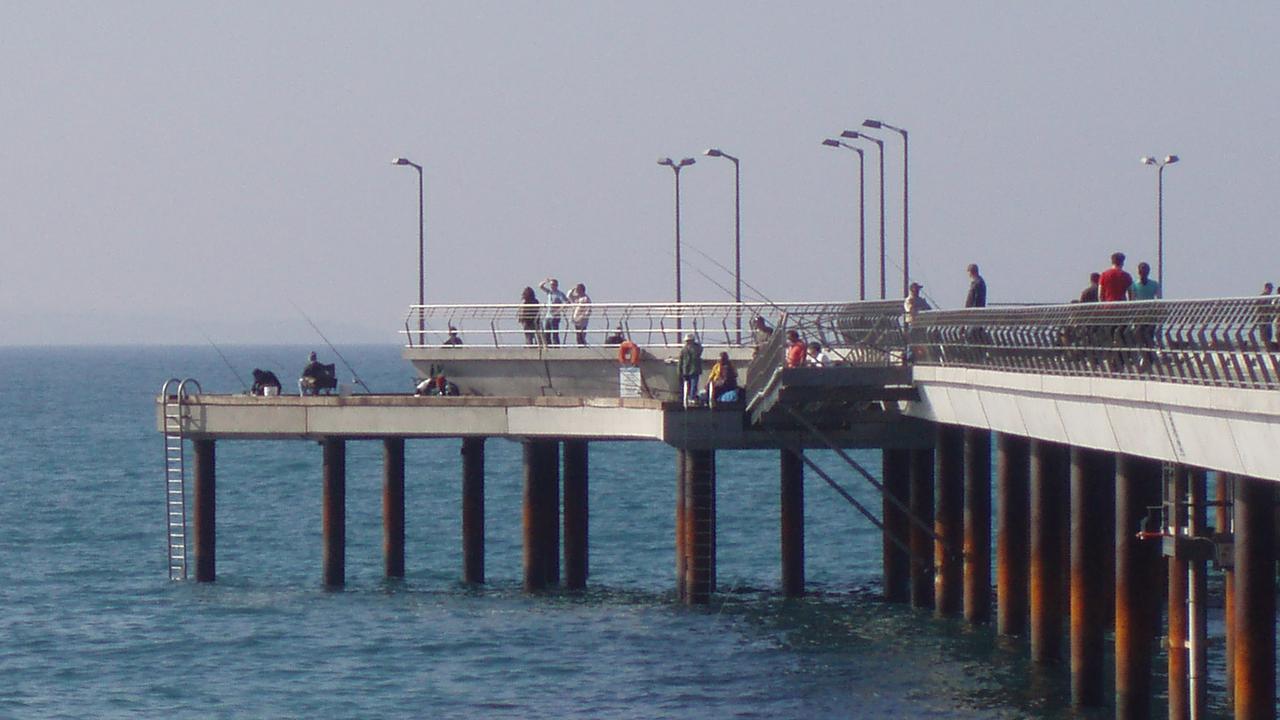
point(172, 170)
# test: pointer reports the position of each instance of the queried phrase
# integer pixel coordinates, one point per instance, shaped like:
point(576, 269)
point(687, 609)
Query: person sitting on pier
point(437, 385)
point(453, 338)
point(316, 376)
point(617, 337)
point(265, 382)
point(722, 383)
point(796, 349)
point(690, 369)
point(818, 356)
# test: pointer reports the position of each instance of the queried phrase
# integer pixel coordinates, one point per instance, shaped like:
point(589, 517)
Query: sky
point(171, 172)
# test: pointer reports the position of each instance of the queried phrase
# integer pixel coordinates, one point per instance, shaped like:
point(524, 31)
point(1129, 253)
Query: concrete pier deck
point(249, 417)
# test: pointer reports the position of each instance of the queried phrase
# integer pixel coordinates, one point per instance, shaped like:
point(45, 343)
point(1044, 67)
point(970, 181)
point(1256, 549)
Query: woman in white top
point(581, 311)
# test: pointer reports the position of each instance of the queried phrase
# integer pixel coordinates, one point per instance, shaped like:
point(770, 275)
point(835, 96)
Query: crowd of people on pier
point(542, 322)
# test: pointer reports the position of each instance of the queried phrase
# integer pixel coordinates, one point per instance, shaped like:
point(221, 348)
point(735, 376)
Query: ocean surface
point(90, 625)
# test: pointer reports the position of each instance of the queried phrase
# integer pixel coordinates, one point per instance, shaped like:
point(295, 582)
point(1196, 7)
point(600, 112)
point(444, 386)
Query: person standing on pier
point(528, 316)
point(1090, 294)
point(690, 369)
point(796, 349)
point(581, 311)
point(556, 301)
point(1145, 288)
point(911, 306)
point(977, 296)
point(1114, 283)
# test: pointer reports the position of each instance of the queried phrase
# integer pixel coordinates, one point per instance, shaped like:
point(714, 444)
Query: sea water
point(91, 626)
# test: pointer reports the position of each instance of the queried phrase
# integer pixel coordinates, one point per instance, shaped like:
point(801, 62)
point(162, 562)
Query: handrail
point(648, 324)
point(1228, 342)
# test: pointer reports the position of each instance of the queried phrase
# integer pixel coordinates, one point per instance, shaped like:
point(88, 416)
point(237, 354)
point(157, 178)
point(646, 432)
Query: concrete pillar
point(1092, 478)
point(948, 520)
point(393, 507)
point(576, 518)
point(895, 469)
point(473, 510)
point(1013, 535)
point(551, 518)
point(205, 510)
point(1050, 463)
point(1179, 663)
point(700, 520)
point(1222, 525)
point(920, 502)
point(977, 525)
point(1255, 606)
point(541, 514)
point(792, 516)
point(1138, 569)
point(682, 557)
point(1198, 589)
point(334, 500)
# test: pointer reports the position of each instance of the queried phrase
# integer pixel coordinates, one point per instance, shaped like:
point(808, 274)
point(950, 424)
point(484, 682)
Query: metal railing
point(863, 333)
point(647, 324)
point(1227, 342)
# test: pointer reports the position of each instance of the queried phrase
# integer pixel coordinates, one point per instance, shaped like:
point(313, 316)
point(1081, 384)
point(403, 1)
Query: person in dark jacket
point(690, 369)
point(977, 296)
point(528, 313)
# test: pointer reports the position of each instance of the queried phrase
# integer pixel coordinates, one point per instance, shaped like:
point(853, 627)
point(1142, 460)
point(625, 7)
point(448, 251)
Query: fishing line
point(225, 360)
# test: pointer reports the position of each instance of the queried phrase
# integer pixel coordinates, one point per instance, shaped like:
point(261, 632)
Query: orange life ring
point(629, 353)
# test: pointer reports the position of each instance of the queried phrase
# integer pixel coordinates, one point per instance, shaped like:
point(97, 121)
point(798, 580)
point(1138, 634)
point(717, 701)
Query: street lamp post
point(1160, 166)
point(676, 167)
point(906, 255)
point(853, 135)
point(862, 212)
point(422, 265)
point(737, 230)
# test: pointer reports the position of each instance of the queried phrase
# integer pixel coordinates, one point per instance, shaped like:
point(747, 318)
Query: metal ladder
point(174, 393)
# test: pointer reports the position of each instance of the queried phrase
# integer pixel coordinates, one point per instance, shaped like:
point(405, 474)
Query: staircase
point(175, 393)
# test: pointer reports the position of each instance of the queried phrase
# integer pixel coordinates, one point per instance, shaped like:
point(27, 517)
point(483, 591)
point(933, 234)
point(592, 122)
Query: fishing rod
point(354, 375)
point(763, 298)
point(235, 372)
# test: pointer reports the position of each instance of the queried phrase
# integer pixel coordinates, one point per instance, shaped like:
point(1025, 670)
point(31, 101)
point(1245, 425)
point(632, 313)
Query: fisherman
point(690, 368)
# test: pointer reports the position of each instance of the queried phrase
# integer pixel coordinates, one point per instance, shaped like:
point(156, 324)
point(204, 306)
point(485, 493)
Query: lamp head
point(400, 161)
point(1148, 160)
point(851, 134)
point(874, 124)
point(666, 161)
point(687, 161)
point(713, 152)
point(1170, 159)
point(831, 142)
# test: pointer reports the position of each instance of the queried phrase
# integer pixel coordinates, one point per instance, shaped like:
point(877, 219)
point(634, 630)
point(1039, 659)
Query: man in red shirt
point(1115, 282)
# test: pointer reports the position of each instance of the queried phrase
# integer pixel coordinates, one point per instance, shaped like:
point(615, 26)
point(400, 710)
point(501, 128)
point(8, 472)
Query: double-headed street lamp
point(906, 256)
point(676, 167)
point(853, 135)
point(1160, 166)
point(862, 211)
point(737, 230)
point(422, 265)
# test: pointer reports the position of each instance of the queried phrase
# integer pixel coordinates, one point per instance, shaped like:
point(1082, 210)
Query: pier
point(1108, 424)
